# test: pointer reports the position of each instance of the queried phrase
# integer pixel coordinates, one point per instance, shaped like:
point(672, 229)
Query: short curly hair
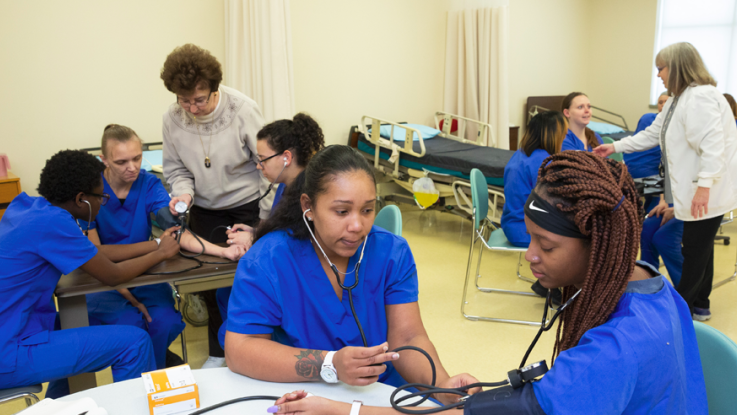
point(188, 66)
point(68, 173)
point(301, 134)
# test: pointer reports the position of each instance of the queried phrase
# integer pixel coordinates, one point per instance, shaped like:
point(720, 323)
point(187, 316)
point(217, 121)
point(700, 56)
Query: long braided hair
point(599, 195)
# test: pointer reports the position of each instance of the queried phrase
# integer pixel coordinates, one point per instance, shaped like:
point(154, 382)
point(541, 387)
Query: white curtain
point(476, 74)
point(258, 54)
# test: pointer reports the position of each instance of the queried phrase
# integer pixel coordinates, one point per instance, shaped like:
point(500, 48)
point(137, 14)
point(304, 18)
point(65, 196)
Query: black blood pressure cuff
point(504, 400)
point(164, 218)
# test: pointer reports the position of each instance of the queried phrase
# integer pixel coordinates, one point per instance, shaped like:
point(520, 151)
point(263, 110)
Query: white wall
point(548, 51)
point(622, 41)
point(71, 67)
point(382, 58)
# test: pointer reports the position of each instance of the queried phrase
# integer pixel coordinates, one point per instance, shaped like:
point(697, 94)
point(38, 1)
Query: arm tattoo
point(309, 364)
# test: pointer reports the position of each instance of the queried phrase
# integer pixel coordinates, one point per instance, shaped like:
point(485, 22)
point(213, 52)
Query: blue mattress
point(446, 156)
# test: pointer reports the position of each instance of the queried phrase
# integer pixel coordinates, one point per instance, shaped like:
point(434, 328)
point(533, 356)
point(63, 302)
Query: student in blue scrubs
point(661, 237)
point(284, 149)
point(577, 108)
point(125, 223)
point(626, 343)
point(646, 163)
point(290, 321)
point(544, 136)
point(40, 241)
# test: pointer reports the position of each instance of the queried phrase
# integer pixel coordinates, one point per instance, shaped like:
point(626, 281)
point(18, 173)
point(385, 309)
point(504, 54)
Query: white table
point(219, 385)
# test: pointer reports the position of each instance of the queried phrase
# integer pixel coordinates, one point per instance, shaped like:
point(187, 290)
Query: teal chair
point(615, 156)
point(390, 218)
point(495, 241)
point(719, 362)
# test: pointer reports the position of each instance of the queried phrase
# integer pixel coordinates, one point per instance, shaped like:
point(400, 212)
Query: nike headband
point(548, 217)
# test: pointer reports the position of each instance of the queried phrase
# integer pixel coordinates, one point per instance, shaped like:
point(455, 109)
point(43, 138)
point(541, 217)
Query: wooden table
point(9, 189)
point(71, 290)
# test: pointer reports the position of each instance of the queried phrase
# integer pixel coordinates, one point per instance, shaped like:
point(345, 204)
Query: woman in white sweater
point(210, 156)
point(698, 136)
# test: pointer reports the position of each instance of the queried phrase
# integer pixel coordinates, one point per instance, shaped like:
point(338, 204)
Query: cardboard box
point(171, 390)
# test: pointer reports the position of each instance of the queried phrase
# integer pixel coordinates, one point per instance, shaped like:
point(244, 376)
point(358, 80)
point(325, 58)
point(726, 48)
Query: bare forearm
point(264, 359)
point(112, 274)
point(189, 243)
point(117, 253)
point(413, 365)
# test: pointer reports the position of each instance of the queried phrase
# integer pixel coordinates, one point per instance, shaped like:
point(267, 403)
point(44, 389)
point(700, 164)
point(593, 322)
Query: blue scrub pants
point(82, 350)
point(223, 296)
point(663, 241)
point(111, 308)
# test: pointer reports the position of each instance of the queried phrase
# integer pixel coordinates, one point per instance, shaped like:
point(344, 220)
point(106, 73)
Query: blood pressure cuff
point(164, 218)
point(548, 217)
point(504, 400)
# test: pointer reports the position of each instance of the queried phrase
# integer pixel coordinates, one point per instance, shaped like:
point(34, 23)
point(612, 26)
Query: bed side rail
point(484, 136)
point(622, 125)
point(389, 143)
point(464, 201)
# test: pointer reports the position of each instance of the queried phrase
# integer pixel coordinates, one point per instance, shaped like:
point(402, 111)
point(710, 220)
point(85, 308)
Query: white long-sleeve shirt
point(700, 145)
point(229, 133)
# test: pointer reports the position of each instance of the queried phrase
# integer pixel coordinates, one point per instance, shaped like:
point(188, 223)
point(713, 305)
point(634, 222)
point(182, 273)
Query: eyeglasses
point(103, 197)
point(262, 161)
point(199, 102)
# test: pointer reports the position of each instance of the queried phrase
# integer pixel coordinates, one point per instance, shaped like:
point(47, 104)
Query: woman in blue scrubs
point(290, 321)
point(577, 108)
point(284, 149)
point(544, 136)
point(626, 343)
point(40, 241)
point(125, 223)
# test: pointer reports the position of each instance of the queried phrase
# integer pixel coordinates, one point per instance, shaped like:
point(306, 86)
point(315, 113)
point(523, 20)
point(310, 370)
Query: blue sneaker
point(701, 314)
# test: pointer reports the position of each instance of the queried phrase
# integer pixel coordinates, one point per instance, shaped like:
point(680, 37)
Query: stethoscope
point(86, 233)
point(337, 274)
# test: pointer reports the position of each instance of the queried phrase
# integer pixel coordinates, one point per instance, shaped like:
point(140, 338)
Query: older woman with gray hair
point(698, 137)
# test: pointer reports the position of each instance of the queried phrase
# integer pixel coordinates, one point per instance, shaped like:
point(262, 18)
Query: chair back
point(615, 156)
point(719, 362)
point(390, 218)
point(479, 197)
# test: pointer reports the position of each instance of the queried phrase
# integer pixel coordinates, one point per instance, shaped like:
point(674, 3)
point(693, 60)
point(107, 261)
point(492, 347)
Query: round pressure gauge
point(180, 207)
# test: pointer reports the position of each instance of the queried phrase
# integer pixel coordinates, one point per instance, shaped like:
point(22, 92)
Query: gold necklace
point(207, 154)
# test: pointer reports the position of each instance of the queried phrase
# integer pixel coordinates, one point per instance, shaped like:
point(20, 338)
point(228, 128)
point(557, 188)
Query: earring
point(309, 219)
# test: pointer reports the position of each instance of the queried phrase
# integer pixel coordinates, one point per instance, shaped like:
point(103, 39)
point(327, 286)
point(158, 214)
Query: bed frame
point(394, 182)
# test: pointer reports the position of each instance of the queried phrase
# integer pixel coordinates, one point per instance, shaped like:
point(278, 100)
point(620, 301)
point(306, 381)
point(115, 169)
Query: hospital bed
point(611, 124)
point(447, 159)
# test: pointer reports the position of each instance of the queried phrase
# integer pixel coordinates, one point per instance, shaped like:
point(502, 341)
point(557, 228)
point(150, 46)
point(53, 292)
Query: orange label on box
point(171, 390)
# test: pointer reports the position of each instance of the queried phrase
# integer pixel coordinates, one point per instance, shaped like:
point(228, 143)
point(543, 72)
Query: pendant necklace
point(207, 154)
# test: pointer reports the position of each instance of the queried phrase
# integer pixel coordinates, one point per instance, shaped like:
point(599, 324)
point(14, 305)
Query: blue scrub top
point(520, 177)
point(571, 142)
point(644, 163)
point(278, 195)
point(38, 243)
point(643, 360)
point(130, 222)
point(281, 289)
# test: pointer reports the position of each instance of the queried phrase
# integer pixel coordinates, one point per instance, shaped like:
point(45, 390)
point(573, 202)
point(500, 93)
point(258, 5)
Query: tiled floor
point(440, 243)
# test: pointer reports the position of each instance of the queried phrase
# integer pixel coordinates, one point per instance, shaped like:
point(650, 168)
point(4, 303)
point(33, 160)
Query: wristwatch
point(356, 407)
point(328, 372)
point(158, 241)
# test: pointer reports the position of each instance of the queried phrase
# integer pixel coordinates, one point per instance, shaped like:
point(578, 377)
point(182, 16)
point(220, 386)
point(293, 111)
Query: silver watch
point(328, 373)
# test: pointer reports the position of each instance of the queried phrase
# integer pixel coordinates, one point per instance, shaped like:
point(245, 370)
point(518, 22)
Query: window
point(709, 25)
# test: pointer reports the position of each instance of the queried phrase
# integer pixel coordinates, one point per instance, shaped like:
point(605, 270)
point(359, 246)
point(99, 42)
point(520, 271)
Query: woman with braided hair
point(626, 342)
